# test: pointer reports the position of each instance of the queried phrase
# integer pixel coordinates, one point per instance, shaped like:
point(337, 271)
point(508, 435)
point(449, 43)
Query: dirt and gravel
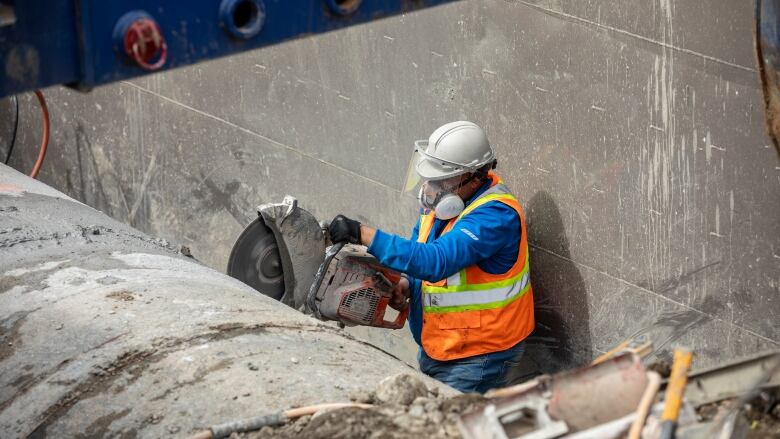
point(403, 408)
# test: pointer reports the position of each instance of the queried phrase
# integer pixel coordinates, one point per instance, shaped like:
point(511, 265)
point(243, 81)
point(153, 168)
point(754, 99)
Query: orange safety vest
point(474, 312)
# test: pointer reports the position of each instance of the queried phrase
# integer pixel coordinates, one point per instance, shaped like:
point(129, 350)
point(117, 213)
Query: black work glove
point(343, 229)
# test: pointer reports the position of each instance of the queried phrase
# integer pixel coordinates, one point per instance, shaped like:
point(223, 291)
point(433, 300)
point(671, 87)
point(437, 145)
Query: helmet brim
point(427, 167)
point(430, 170)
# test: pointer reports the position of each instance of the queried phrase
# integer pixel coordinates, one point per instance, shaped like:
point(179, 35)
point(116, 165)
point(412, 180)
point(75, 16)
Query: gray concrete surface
point(107, 332)
point(631, 131)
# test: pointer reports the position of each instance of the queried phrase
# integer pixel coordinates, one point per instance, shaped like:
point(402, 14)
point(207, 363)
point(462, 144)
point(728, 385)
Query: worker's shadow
point(561, 339)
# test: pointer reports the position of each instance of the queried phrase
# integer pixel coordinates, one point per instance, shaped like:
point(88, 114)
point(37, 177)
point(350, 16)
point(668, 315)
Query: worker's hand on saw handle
point(343, 229)
point(400, 300)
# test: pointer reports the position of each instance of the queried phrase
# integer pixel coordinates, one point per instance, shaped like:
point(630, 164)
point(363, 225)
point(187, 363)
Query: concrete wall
point(631, 131)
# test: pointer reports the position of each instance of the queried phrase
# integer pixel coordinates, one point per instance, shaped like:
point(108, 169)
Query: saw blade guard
point(280, 252)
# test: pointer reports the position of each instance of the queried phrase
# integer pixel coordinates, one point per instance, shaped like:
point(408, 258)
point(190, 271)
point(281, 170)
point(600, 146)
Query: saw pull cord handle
point(399, 321)
point(675, 391)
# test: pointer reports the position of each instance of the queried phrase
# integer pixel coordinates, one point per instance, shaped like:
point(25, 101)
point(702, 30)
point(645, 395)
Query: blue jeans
point(473, 374)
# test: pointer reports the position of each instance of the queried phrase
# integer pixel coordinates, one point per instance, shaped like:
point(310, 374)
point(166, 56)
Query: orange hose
point(45, 139)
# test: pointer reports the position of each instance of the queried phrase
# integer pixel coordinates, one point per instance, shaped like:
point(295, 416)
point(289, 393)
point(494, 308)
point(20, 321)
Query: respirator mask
point(441, 196)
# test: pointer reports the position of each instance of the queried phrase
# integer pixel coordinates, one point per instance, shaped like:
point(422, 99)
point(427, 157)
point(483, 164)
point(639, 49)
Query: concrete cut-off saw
point(286, 254)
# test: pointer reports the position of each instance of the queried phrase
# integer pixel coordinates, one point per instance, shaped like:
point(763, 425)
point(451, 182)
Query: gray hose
point(228, 428)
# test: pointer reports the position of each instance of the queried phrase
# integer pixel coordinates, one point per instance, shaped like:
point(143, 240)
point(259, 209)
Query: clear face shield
point(413, 181)
point(438, 190)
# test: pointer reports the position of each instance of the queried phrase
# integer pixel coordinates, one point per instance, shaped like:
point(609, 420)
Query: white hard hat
point(453, 149)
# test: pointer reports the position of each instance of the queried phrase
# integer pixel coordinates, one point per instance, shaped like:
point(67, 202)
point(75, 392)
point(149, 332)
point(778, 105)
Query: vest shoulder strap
point(498, 192)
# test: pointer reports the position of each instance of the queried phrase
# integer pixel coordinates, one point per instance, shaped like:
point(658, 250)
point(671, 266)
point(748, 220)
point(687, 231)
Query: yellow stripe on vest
point(476, 296)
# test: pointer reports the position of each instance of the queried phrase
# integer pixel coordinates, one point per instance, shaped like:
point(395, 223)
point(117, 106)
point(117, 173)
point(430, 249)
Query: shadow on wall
point(561, 339)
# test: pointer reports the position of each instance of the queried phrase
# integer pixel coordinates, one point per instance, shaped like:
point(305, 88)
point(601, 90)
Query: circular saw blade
point(255, 260)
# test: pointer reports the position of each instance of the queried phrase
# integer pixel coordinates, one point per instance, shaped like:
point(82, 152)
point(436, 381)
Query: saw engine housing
point(353, 288)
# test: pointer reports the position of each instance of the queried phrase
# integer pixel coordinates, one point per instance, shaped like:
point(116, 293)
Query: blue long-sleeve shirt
point(488, 236)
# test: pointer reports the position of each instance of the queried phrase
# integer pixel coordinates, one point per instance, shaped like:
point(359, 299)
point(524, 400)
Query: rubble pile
point(403, 408)
point(761, 413)
point(611, 399)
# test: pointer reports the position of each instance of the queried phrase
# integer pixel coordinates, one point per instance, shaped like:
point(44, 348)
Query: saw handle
point(399, 321)
point(380, 278)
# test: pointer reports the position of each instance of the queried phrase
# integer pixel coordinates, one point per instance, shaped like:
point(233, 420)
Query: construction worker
point(466, 263)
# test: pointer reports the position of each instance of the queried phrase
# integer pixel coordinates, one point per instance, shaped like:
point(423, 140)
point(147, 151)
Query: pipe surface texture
point(107, 332)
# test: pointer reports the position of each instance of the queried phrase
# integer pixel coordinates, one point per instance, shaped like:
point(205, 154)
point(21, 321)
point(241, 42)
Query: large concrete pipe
point(107, 332)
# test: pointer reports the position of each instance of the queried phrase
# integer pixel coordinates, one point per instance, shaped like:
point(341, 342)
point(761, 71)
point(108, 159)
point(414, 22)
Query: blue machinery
point(84, 43)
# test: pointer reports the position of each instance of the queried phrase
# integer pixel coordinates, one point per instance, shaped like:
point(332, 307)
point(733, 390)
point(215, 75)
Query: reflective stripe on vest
point(476, 296)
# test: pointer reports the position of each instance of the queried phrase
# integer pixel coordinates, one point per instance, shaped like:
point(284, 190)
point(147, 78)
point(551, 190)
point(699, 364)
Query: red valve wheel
point(143, 42)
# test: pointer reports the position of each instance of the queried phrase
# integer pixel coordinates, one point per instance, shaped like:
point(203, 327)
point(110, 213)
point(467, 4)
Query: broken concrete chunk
point(400, 389)
point(421, 400)
point(431, 405)
point(416, 410)
point(362, 396)
point(436, 417)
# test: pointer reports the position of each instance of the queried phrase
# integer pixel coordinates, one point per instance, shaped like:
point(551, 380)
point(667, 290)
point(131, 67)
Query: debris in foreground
point(401, 407)
point(616, 398)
